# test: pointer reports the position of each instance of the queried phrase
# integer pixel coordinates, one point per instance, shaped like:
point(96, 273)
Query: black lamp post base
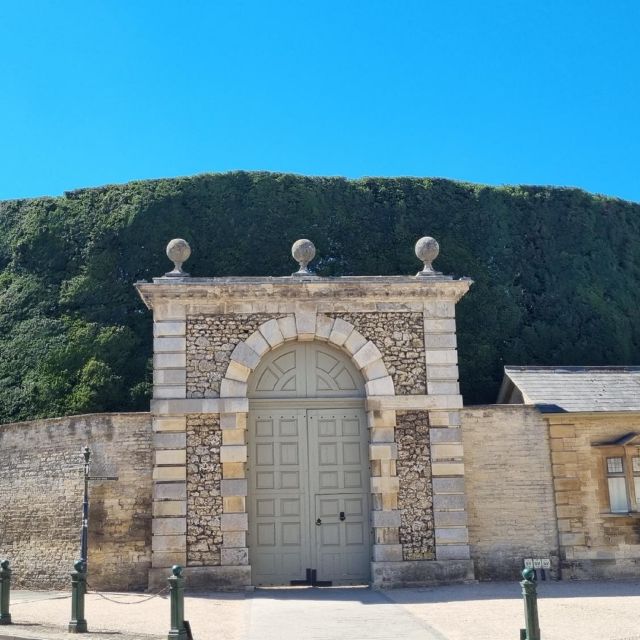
point(5, 618)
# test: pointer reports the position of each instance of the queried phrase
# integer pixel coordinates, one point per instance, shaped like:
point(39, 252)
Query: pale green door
point(278, 496)
point(308, 497)
point(338, 479)
point(308, 468)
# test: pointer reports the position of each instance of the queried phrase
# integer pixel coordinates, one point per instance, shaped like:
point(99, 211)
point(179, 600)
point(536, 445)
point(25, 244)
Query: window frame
point(631, 476)
point(635, 478)
point(618, 475)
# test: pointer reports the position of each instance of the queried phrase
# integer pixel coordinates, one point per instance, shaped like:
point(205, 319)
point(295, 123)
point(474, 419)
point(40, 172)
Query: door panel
point(338, 474)
point(342, 539)
point(279, 518)
point(339, 460)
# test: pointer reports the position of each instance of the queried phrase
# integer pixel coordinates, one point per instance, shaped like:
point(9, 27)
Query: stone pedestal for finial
point(178, 251)
point(427, 250)
point(303, 252)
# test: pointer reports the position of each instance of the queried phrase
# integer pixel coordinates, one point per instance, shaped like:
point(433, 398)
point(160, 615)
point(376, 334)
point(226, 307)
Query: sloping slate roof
point(566, 389)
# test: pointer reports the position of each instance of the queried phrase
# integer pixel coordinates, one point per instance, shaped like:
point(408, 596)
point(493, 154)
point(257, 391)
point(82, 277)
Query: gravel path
point(128, 616)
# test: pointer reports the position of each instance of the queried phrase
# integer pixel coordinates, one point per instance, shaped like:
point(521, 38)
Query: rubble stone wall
point(415, 496)
point(210, 341)
point(204, 501)
point(400, 338)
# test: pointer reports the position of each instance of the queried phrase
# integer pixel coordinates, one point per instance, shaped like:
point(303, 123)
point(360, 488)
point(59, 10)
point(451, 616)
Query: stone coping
point(568, 417)
point(378, 288)
point(298, 279)
point(78, 416)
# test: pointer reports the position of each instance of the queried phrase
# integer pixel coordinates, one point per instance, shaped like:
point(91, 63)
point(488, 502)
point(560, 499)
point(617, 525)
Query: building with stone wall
point(592, 418)
point(308, 430)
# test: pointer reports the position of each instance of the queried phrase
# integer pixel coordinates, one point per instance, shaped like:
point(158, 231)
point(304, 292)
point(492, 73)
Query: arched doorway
point(308, 468)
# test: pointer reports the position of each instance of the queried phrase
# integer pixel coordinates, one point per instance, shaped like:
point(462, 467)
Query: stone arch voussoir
point(306, 327)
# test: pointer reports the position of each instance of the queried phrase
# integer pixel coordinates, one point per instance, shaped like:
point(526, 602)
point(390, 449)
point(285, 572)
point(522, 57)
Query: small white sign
point(546, 563)
point(528, 563)
point(537, 563)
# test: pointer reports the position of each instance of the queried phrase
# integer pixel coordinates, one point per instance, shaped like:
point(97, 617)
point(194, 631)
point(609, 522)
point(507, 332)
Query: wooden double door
point(308, 497)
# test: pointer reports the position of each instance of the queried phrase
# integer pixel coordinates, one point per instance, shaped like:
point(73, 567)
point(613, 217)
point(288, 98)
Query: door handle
point(318, 522)
point(342, 516)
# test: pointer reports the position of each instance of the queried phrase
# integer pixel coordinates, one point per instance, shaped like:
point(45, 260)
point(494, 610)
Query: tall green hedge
point(557, 271)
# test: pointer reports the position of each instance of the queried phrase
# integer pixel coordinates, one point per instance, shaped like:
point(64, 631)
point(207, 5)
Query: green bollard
point(78, 623)
point(532, 632)
point(5, 587)
point(178, 630)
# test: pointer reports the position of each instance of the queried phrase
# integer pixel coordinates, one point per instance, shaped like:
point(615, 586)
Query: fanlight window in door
point(280, 374)
point(332, 373)
point(308, 370)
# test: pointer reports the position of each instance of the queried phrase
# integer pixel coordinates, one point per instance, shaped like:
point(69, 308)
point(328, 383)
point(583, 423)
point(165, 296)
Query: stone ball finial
point(178, 251)
point(303, 252)
point(427, 250)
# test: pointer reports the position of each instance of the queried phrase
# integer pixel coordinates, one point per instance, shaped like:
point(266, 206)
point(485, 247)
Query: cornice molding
point(392, 289)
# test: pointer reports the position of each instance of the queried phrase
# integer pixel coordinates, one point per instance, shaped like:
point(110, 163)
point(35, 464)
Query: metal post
point(5, 586)
point(78, 623)
point(84, 536)
point(178, 630)
point(532, 631)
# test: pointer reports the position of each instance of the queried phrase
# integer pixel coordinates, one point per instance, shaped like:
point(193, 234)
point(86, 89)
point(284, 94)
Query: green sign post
point(5, 587)
point(532, 631)
point(178, 629)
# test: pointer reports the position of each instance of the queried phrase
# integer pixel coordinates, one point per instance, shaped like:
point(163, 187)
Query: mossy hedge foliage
point(556, 272)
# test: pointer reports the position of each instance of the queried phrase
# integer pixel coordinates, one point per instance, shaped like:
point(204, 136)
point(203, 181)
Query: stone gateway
point(306, 429)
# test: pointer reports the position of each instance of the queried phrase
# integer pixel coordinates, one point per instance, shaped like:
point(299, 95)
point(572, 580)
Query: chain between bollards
point(78, 623)
point(532, 631)
point(5, 588)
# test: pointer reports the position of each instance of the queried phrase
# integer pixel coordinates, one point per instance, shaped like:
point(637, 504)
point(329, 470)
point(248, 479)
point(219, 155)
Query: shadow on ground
point(450, 593)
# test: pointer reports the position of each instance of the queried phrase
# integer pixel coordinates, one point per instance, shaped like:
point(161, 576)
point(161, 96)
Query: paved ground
point(332, 614)
point(585, 610)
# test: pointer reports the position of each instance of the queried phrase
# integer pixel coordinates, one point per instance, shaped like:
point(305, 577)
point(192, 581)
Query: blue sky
point(498, 92)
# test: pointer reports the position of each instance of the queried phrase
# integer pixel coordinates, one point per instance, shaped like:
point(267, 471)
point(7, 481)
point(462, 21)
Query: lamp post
point(78, 623)
point(86, 452)
point(84, 535)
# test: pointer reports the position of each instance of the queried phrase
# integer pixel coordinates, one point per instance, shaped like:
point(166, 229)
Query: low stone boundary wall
point(509, 489)
point(41, 486)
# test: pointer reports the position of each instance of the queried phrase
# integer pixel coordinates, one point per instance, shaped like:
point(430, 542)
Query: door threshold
point(276, 587)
